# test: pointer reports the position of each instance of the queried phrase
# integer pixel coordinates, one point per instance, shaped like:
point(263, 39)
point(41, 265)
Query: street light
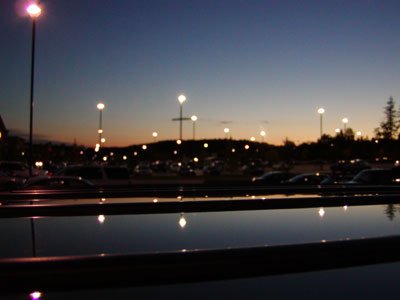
point(34, 12)
point(321, 111)
point(35, 295)
point(226, 130)
point(100, 107)
point(181, 99)
point(345, 121)
point(194, 119)
point(262, 133)
point(155, 135)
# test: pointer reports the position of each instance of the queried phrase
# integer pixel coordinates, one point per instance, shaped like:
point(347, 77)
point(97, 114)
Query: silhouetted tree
point(349, 134)
point(390, 125)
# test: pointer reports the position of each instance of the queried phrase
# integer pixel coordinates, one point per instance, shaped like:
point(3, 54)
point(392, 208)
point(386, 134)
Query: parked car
point(214, 167)
point(143, 170)
point(337, 178)
point(19, 169)
point(272, 178)
point(99, 175)
point(186, 170)
point(57, 182)
point(8, 182)
point(307, 179)
point(252, 168)
point(377, 177)
point(350, 166)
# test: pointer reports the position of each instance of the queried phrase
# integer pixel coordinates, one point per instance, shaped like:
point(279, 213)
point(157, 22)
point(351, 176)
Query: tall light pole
point(226, 130)
point(181, 99)
point(262, 133)
point(155, 135)
point(358, 134)
point(194, 119)
point(100, 107)
point(345, 121)
point(321, 111)
point(34, 11)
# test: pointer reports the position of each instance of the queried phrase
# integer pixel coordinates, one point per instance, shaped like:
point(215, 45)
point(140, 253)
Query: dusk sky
point(246, 65)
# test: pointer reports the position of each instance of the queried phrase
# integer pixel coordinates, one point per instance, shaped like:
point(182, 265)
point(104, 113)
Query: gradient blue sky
point(246, 65)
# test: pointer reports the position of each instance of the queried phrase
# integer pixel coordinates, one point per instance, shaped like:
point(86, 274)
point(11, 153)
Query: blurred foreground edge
point(110, 271)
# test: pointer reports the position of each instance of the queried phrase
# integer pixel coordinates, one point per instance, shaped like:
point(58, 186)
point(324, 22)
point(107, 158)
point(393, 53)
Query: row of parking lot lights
point(345, 121)
point(262, 134)
point(144, 148)
point(100, 107)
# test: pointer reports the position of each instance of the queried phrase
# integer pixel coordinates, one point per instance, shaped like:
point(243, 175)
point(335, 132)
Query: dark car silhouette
point(377, 177)
point(272, 178)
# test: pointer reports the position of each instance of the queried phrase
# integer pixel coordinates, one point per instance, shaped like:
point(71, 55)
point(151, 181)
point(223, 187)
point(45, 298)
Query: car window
point(11, 167)
point(70, 172)
point(116, 173)
point(91, 173)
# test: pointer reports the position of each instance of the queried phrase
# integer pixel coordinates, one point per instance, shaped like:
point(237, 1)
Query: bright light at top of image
point(33, 10)
point(35, 295)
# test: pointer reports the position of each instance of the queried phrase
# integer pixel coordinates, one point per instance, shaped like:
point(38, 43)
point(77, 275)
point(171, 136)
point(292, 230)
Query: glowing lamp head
point(345, 120)
point(226, 130)
point(252, 139)
point(337, 130)
point(100, 106)
point(35, 295)
point(181, 99)
point(262, 133)
point(193, 118)
point(178, 142)
point(155, 134)
point(321, 110)
point(33, 10)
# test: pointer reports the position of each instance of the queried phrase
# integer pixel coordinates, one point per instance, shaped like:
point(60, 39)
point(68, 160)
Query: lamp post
point(194, 119)
point(226, 130)
point(34, 11)
point(100, 107)
point(155, 135)
point(345, 121)
point(358, 133)
point(262, 133)
point(321, 111)
point(181, 99)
